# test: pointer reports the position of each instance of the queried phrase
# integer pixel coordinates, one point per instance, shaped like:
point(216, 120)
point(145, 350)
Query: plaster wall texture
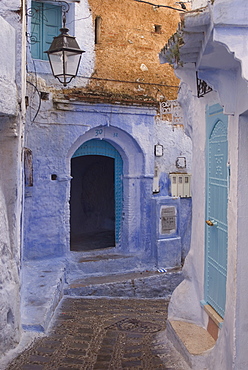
point(12, 110)
point(229, 12)
point(14, 13)
point(190, 290)
point(8, 90)
point(230, 350)
point(9, 283)
point(54, 137)
point(175, 143)
point(199, 3)
point(10, 5)
point(10, 231)
point(53, 144)
point(185, 301)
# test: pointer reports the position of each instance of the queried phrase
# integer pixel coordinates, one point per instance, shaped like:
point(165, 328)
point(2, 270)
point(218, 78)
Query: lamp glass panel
point(56, 61)
point(71, 62)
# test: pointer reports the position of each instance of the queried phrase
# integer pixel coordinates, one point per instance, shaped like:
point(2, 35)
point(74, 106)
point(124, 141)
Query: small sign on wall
point(168, 220)
point(158, 150)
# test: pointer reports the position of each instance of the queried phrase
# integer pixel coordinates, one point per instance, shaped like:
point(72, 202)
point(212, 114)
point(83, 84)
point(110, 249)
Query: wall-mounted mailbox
point(180, 185)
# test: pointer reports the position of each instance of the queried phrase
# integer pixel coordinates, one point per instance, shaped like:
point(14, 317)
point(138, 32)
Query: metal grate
point(170, 110)
point(202, 87)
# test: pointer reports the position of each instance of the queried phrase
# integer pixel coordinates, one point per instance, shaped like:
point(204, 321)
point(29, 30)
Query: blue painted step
point(147, 284)
point(96, 264)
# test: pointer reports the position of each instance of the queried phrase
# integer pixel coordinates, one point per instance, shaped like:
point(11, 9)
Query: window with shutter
point(45, 25)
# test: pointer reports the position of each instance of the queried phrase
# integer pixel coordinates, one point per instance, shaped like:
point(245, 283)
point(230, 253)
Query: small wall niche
point(157, 28)
point(98, 21)
point(10, 317)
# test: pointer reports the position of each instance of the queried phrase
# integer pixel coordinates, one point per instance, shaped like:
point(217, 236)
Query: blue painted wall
point(53, 141)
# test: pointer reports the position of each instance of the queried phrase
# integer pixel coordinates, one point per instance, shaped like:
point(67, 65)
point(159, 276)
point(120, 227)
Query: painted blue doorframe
point(216, 208)
point(102, 147)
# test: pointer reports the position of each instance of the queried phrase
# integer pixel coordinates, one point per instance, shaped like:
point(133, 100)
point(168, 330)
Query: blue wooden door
point(102, 147)
point(216, 209)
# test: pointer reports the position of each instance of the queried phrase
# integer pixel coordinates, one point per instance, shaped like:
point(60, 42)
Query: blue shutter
point(45, 25)
point(36, 29)
point(51, 25)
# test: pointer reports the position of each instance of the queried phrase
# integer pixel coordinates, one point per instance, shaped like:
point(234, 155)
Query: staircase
point(89, 274)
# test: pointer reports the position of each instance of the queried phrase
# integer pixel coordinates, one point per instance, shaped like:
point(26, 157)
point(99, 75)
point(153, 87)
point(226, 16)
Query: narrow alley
point(104, 333)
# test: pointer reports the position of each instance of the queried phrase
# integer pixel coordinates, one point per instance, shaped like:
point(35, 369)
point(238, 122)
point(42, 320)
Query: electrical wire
point(160, 6)
point(130, 82)
point(39, 105)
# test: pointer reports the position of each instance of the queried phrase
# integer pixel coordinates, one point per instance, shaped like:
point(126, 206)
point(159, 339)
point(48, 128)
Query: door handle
point(211, 223)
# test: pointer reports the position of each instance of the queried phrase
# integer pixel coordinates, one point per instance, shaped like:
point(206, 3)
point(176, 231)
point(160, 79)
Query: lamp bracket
point(34, 13)
point(64, 5)
point(65, 9)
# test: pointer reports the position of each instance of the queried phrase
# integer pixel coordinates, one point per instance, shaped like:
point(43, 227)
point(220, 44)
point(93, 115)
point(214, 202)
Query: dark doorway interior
point(92, 203)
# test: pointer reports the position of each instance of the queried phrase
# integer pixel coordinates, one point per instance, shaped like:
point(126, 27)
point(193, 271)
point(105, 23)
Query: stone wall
point(131, 36)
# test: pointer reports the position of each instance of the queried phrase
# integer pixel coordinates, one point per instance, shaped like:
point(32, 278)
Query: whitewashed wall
point(8, 90)
point(12, 110)
point(230, 351)
point(199, 3)
point(175, 144)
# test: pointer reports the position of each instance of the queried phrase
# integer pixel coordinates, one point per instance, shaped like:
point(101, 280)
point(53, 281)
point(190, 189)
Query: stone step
point(96, 264)
point(46, 281)
point(146, 284)
point(41, 292)
point(193, 342)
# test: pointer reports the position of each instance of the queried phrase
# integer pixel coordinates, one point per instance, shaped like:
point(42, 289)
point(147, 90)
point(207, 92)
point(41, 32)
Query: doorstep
point(42, 290)
point(192, 341)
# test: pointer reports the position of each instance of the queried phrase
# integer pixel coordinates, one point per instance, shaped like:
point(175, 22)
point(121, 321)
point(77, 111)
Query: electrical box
point(156, 181)
point(180, 185)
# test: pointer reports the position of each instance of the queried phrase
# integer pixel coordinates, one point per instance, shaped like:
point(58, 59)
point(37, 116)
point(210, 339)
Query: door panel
point(216, 209)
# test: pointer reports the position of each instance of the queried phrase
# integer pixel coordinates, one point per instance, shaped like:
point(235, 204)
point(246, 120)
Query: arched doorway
point(96, 196)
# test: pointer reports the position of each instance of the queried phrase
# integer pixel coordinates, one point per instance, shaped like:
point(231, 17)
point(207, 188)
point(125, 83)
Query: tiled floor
point(104, 333)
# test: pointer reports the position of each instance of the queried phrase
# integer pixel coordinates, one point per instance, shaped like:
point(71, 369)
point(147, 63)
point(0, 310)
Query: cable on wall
point(161, 6)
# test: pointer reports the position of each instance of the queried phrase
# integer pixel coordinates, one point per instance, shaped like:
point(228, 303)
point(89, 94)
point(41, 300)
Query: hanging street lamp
point(64, 55)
